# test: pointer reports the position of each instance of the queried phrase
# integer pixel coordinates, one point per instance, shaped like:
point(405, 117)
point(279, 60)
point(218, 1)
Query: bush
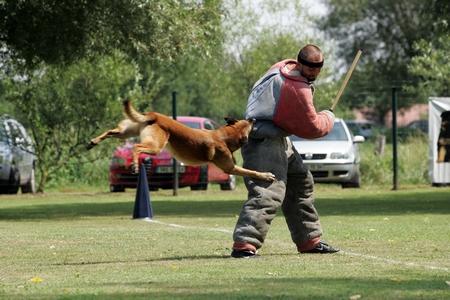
point(82, 172)
point(412, 162)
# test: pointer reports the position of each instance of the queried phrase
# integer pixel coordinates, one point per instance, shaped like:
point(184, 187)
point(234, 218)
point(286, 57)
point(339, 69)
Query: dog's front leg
point(267, 176)
point(226, 163)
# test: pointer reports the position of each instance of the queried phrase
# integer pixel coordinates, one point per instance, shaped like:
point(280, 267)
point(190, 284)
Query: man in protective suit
point(281, 101)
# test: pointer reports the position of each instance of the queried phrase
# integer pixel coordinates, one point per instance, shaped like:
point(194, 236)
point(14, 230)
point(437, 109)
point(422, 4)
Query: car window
point(215, 124)
point(18, 135)
point(194, 125)
point(366, 126)
point(208, 125)
point(26, 138)
point(338, 133)
point(3, 134)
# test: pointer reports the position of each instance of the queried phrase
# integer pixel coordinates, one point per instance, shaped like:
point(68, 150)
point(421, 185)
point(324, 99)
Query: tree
point(64, 31)
point(387, 32)
point(256, 43)
point(64, 107)
point(66, 63)
point(432, 65)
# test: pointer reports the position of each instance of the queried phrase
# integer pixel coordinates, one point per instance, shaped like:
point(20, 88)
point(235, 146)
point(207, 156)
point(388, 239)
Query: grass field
point(84, 245)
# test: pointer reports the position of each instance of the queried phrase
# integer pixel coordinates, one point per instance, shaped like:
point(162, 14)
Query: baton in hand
point(347, 78)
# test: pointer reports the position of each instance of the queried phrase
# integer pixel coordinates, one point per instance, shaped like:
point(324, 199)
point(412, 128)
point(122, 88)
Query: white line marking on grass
point(394, 262)
point(189, 227)
point(387, 261)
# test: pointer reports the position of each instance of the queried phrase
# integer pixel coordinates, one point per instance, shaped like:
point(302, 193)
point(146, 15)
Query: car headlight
point(180, 163)
point(339, 155)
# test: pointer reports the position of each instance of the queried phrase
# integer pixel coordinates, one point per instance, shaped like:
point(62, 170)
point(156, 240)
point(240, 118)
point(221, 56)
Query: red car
point(160, 167)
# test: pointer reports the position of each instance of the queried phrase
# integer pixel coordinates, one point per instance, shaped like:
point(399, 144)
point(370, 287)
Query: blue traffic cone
point(142, 205)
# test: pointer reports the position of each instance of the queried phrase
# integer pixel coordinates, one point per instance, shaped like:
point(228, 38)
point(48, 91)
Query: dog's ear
point(251, 120)
point(230, 120)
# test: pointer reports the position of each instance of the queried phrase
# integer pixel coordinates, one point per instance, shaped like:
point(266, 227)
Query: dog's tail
point(134, 115)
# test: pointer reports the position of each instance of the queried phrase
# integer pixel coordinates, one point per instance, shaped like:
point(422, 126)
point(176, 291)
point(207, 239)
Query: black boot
point(322, 248)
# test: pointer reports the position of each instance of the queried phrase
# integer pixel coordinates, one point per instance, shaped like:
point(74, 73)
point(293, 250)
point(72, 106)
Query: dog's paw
point(267, 176)
point(134, 168)
point(90, 145)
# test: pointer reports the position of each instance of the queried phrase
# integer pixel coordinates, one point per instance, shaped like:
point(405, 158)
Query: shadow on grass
point(264, 288)
point(384, 204)
point(159, 259)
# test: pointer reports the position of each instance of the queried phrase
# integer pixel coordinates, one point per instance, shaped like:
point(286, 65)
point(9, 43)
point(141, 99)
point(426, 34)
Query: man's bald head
point(310, 56)
point(310, 61)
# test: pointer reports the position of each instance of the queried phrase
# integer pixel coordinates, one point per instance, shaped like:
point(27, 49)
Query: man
point(282, 103)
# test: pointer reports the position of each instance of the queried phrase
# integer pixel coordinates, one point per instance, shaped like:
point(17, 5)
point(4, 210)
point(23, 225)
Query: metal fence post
point(394, 139)
point(175, 164)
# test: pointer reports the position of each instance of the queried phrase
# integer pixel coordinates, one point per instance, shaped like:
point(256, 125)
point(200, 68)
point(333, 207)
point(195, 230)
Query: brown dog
point(188, 145)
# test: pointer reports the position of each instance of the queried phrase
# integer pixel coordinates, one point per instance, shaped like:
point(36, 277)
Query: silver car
point(17, 158)
point(333, 158)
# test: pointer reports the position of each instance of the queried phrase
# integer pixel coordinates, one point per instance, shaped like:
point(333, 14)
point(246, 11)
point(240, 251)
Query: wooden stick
point(347, 78)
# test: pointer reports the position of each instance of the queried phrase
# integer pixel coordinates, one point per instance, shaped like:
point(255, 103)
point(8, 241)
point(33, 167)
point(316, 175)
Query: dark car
point(17, 158)
point(419, 125)
point(418, 128)
point(363, 128)
point(160, 167)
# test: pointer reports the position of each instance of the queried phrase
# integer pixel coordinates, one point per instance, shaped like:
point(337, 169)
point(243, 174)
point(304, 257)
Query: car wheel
point(30, 186)
point(230, 185)
point(355, 182)
point(116, 188)
point(14, 181)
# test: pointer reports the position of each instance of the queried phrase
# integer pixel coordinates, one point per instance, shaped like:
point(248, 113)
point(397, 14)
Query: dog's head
point(242, 129)
point(445, 123)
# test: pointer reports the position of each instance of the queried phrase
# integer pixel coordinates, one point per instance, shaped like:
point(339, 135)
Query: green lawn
point(396, 245)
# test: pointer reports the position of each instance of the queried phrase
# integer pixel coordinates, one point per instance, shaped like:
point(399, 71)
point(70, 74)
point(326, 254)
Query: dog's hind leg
point(153, 140)
point(125, 129)
point(142, 148)
point(110, 133)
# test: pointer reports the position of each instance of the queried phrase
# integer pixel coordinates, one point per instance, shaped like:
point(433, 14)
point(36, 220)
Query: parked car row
point(333, 158)
point(160, 167)
point(370, 130)
point(17, 158)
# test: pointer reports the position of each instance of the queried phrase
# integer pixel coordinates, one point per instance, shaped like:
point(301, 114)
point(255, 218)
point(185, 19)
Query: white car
point(333, 158)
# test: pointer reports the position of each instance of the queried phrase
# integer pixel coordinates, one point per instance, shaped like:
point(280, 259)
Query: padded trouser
point(292, 190)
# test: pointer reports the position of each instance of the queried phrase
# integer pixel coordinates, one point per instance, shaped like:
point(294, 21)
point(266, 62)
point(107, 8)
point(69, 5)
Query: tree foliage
point(432, 65)
point(255, 43)
point(387, 31)
point(62, 31)
point(64, 107)
point(66, 63)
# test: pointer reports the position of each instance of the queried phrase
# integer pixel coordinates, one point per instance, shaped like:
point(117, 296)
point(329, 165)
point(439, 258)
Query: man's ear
point(230, 121)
